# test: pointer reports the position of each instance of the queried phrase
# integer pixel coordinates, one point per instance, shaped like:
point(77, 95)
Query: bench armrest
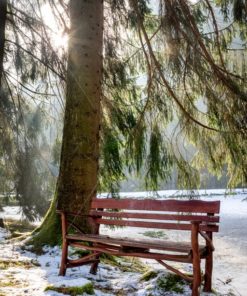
point(208, 240)
point(204, 235)
point(67, 224)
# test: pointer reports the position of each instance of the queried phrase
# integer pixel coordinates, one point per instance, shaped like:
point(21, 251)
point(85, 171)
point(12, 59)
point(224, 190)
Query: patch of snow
point(14, 213)
point(3, 234)
point(53, 293)
point(179, 193)
point(68, 282)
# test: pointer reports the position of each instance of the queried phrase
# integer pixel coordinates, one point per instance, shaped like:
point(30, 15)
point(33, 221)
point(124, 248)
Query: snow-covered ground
point(34, 273)
point(11, 213)
point(28, 274)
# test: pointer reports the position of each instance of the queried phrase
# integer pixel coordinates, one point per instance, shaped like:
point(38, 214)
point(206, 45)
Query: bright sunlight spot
point(59, 38)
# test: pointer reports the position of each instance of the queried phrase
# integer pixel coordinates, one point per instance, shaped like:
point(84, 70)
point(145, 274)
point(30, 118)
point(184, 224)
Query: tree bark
point(3, 16)
point(77, 181)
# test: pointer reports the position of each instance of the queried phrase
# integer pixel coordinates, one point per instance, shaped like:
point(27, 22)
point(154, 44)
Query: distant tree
point(3, 17)
point(29, 66)
point(6, 108)
point(32, 178)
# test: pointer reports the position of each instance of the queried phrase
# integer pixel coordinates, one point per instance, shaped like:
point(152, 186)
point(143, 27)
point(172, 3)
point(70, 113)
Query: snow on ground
point(33, 274)
point(11, 213)
point(24, 273)
point(3, 234)
point(14, 213)
point(178, 193)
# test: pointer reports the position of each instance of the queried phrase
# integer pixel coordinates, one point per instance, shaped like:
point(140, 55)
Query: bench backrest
point(158, 214)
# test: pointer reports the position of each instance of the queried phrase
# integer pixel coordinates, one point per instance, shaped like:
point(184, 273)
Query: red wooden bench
point(198, 217)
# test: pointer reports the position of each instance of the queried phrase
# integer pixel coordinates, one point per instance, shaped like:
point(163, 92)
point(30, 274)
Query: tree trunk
point(3, 16)
point(77, 181)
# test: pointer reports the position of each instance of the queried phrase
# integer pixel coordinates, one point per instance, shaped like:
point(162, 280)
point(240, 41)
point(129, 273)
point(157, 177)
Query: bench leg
point(196, 277)
point(64, 259)
point(94, 266)
point(208, 273)
point(196, 260)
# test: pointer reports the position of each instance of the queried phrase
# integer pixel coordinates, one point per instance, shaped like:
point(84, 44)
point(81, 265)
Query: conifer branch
point(217, 34)
point(36, 58)
point(158, 67)
point(27, 88)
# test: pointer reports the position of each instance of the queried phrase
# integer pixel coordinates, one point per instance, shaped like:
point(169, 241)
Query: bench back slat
point(149, 213)
point(146, 216)
point(157, 225)
point(170, 205)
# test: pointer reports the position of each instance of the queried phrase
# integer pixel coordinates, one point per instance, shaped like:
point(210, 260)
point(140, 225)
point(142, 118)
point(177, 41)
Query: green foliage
point(155, 234)
point(188, 177)
point(240, 11)
point(143, 6)
point(56, 151)
point(159, 160)
point(171, 282)
point(28, 186)
point(5, 264)
point(73, 291)
point(136, 148)
point(148, 275)
point(111, 154)
point(202, 105)
point(32, 178)
point(112, 163)
point(29, 60)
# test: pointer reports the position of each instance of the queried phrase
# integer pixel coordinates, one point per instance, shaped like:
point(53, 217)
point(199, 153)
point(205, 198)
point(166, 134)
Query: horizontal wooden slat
point(157, 225)
point(82, 263)
point(170, 205)
point(173, 246)
point(155, 216)
point(147, 255)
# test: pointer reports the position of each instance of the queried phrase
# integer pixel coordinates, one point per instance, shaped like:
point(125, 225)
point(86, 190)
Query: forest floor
point(25, 273)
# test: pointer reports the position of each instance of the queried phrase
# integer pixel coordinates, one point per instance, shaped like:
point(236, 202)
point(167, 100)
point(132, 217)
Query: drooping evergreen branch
point(159, 69)
point(36, 58)
point(140, 48)
point(42, 41)
point(217, 70)
point(27, 88)
point(217, 34)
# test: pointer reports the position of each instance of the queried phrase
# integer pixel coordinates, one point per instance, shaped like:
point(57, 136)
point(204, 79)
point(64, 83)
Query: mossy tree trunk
point(77, 181)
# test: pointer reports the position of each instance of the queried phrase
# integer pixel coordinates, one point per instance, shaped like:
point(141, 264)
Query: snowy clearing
point(24, 273)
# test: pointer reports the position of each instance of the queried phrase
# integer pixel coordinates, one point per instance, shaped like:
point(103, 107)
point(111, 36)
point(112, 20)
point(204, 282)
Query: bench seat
point(124, 244)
